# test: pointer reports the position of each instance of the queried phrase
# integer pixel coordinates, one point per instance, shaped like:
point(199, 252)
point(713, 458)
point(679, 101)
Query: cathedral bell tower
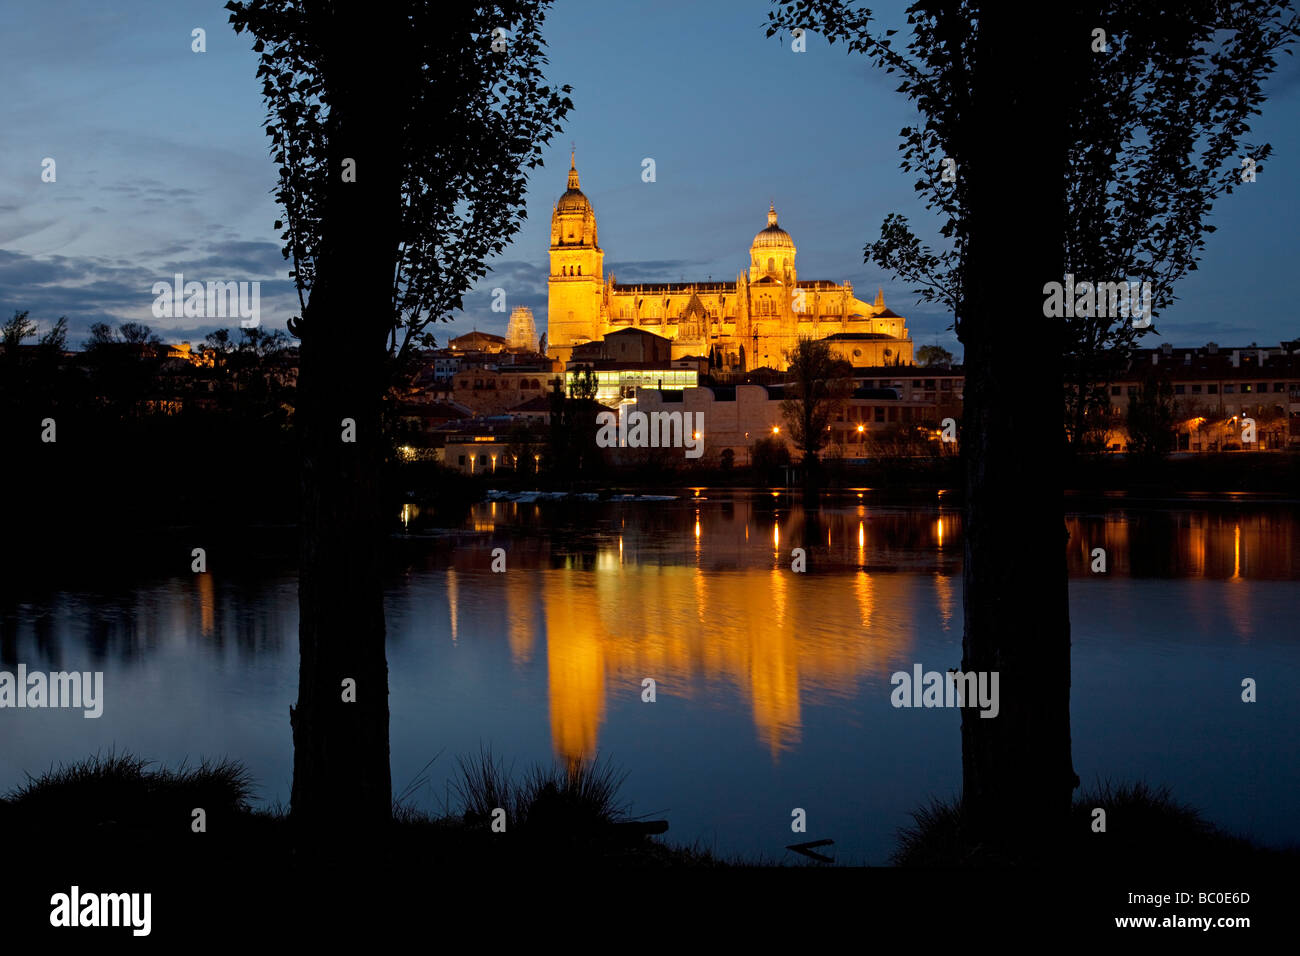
point(576, 282)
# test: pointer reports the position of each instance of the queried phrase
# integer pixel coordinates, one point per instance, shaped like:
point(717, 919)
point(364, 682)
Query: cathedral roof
point(573, 200)
point(773, 237)
point(695, 306)
point(678, 287)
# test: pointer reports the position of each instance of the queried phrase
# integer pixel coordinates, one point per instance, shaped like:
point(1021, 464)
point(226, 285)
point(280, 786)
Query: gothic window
point(579, 270)
point(771, 265)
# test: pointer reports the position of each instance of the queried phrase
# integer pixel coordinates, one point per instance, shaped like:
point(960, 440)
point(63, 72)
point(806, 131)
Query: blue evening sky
point(163, 167)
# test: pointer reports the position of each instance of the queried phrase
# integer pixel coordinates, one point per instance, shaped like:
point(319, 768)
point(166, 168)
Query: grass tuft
point(1143, 823)
point(126, 790)
point(577, 797)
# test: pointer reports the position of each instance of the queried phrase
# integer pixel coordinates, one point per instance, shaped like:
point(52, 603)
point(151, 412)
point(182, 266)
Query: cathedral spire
point(573, 169)
point(771, 214)
point(880, 298)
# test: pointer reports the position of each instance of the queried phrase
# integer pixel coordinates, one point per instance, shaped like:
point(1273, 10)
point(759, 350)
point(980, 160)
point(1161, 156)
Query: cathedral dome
point(773, 237)
point(573, 200)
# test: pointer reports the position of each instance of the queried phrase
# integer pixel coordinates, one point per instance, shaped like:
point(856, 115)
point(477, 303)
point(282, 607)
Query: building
point(1213, 389)
point(521, 331)
point(496, 390)
point(627, 345)
point(628, 359)
point(871, 421)
point(477, 341)
point(618, 382)
point(746, 324)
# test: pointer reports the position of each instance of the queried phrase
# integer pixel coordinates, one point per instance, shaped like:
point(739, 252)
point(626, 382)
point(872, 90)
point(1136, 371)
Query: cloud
point(90, 289)
point(654, 270)
point(229, 260)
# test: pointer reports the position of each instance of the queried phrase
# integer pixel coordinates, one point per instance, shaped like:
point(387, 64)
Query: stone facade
point(742, 325)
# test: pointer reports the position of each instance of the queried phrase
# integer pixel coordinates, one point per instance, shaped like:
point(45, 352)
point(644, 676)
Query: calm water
point(773, 688)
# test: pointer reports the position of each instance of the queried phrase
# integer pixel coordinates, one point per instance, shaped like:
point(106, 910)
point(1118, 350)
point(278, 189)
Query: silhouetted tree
point(1150, 418)
point(584, 385)
point(817, 387)
point(571, 438)
point(1132, 144)
point(403, 135)
point(139, 335)
point(123, 366)
point(769, 454)
point(55, 340)
point(14, 332)
point(934, 356)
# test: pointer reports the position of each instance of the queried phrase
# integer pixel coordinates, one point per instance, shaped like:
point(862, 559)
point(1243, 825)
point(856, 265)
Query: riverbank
point(230, 874)
point(53, 546)
point(105, 497)
point(561, 816)
point(1263, 474)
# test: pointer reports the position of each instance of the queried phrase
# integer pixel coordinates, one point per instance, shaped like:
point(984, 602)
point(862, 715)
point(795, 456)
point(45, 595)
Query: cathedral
point(742, 325)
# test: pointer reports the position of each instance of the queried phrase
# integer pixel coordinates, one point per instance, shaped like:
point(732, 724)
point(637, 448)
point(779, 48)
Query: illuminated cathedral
point(746, 324)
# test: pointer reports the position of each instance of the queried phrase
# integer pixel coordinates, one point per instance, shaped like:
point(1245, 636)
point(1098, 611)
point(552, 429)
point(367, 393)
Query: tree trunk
point(1016, 767)
point(341, 778)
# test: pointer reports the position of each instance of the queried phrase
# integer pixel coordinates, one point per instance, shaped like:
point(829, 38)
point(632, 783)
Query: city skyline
point(165, 169)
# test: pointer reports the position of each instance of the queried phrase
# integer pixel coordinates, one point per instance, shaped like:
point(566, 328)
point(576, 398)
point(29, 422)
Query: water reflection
point(750, 657)
point(680, 595)
point(1235, 544)
point(752, 632)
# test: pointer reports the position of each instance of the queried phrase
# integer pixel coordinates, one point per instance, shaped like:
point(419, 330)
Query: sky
point(162, 167)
